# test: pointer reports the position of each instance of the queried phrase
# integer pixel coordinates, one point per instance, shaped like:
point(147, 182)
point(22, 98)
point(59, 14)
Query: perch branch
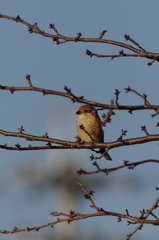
point(74, 145)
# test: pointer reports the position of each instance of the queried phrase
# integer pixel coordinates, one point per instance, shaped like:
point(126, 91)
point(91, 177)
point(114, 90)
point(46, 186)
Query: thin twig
point(144, 96)
point(155, 205)
point(126, 164)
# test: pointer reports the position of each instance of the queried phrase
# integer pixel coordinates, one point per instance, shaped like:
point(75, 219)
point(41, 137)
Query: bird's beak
point(77, 112)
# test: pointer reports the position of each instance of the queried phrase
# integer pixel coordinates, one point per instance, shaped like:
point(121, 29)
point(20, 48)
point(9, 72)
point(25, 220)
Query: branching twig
point(127, 37)
point(87, 195)
point(75, 145)
point(144, 96)
point(138, 51)
point(145, 216)
point(80, 99)
point(121, 54)
point(73, 216)
point(126, 164)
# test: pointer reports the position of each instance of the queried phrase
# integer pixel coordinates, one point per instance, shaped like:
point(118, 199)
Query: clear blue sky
point(52, 66)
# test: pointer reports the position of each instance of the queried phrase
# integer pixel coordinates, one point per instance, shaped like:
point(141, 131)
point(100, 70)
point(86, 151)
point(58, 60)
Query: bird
point(89, 127)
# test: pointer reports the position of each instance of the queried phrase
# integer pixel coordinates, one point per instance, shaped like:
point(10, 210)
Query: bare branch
point(121, 54)
point(73, 216)
point(144, 96)
point(77, 145)
point(127, 37)
point(60, 39)
point(145, 216)
point(81, 99)
point(134, 50)
point(126, 164)
point(123, 133)
point(102, 34)
point(29, 80)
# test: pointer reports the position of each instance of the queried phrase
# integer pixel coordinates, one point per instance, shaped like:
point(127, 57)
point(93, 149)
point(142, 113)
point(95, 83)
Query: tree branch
point(126, 164)
point(74, 145)
point(59, 39)
point(73, 216)
point(81, 99)
point(145, 216)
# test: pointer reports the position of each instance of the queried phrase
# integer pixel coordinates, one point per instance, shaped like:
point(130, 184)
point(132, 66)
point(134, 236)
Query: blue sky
point(54, 66)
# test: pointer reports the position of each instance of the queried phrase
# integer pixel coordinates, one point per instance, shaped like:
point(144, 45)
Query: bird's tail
point(106, 155)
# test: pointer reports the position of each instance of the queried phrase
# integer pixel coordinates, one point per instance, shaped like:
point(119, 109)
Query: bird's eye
point(86, 111)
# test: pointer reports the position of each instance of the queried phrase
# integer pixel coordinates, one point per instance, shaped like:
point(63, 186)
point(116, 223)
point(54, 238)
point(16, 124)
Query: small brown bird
point(89, 126)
